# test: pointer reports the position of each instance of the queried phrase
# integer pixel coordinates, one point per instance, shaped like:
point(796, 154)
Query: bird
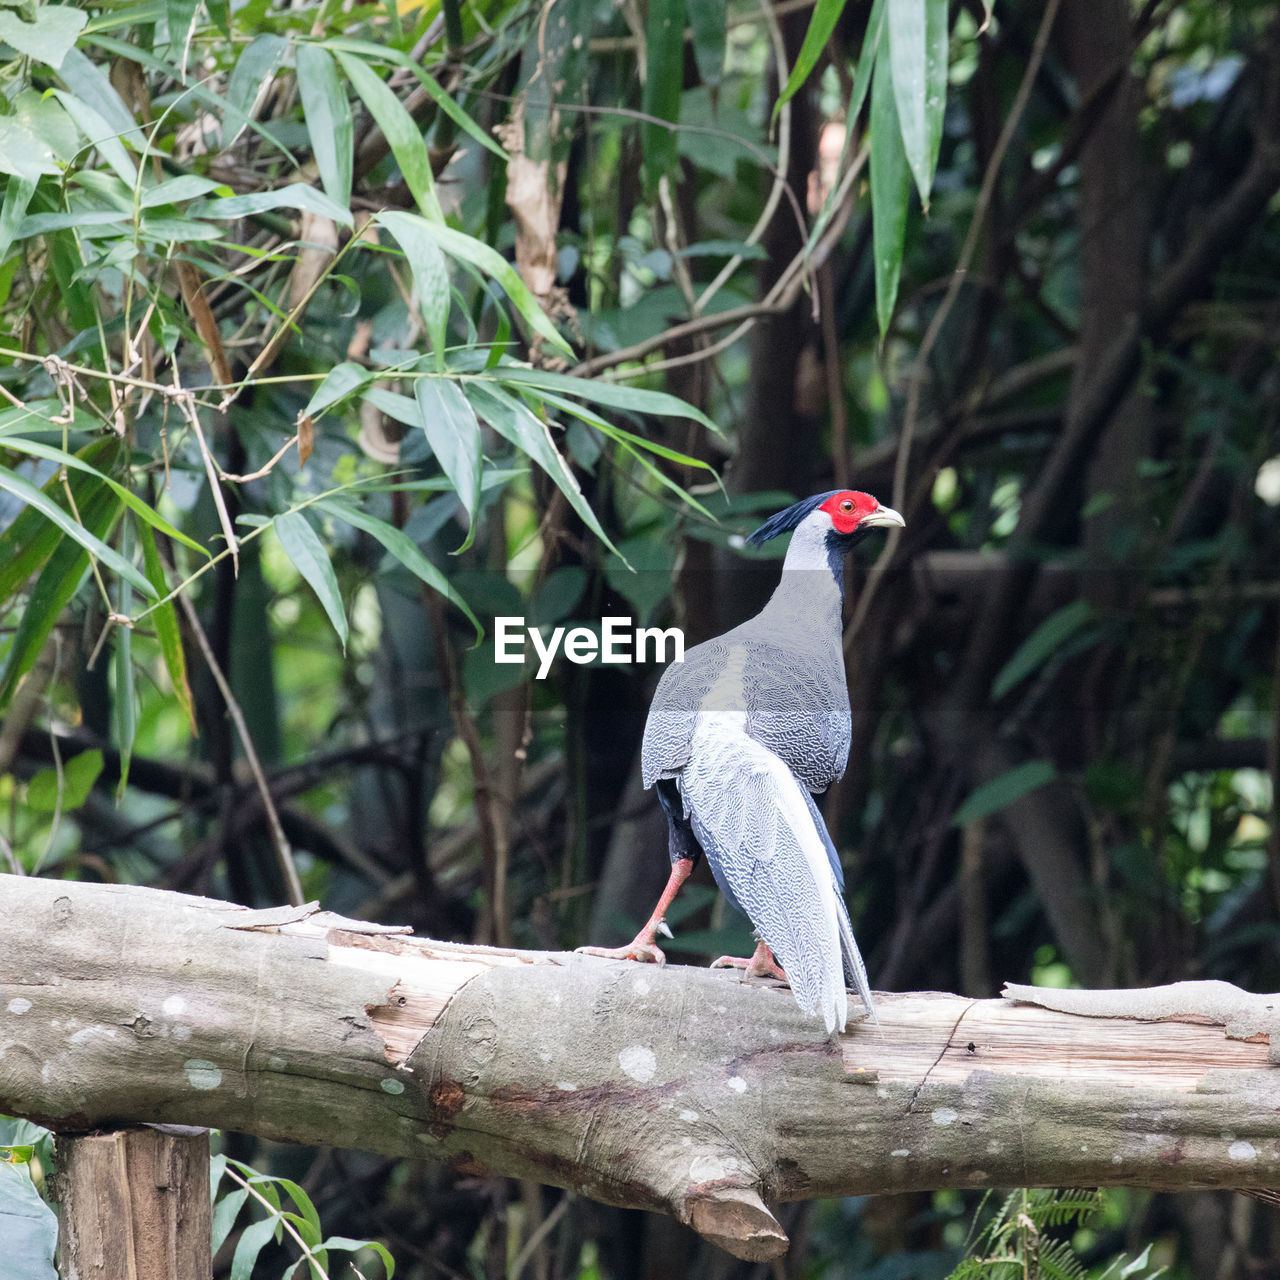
point(741, 736)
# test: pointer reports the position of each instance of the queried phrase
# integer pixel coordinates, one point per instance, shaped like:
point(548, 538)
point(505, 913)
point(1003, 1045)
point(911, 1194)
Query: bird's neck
point(812, 585)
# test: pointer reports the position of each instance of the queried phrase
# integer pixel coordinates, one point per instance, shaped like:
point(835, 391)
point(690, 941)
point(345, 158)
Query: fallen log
point(680, 1090)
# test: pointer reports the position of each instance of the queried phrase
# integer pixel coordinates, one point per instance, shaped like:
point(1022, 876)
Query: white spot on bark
point(392, 1085)
point(686, 1142)
point(641, 986)
point(944, 1115)
point(276, 1063)
point(709, 1168)
point(737, 1084)
point(901, 1151)
point(688, 1116)
point(181, 1032)
point(882, 1093)
point(202, 1074)
point(638, 1062)
point(1242, 1151)
point(993, 1148)
point(544, 1056)
point(173, 1006)
point(1117, 1159)
point(19, 1004)
point(1083, 1147)
point(566, 1087)
point(92, 1033)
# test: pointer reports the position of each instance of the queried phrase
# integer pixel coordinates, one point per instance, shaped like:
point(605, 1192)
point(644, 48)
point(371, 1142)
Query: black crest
point(787, 520)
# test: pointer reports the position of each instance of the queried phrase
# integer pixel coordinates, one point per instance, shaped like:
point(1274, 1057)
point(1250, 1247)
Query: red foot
point(760, 965)
point(640, 948)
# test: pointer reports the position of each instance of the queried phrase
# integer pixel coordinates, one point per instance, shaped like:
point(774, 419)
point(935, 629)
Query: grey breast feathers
point(668, 732)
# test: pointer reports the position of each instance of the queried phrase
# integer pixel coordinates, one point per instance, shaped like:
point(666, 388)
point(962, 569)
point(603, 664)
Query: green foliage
point(1016, 1240)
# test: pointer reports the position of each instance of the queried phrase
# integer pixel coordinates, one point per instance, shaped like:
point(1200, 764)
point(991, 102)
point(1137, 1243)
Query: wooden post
point(135, 1205)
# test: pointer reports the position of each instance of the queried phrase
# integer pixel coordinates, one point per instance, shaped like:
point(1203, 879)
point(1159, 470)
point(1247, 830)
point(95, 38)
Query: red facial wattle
point(848, 509)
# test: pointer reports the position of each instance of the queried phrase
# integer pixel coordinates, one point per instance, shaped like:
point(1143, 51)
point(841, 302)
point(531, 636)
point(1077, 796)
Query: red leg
point(761, 965)
point(644, 945)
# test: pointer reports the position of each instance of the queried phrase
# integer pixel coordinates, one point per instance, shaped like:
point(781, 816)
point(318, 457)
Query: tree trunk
point(680, 1090)
point(134, 1205)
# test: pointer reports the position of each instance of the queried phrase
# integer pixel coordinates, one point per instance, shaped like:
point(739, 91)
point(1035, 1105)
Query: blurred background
point(1064, 374)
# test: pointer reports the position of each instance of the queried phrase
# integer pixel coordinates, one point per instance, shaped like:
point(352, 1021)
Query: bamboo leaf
point(890, 192)
point(453, 432)
point(338, 383)
point(255, 69)
point(124, 696)
point(20, 444)
point(871, 45)
point(297, 195)
point(1003, 791)
point(15, 484)
point(492, 263)
point(59, 580)
point(907, 56)
point(707, 18)
point(46, 793)
point(515, 422)
point(49, 38)
point(302, 545)
point(826, 14)
point(165, 616)
point(185, 187)
point(937, 49)
point(403, 549)
point(401, 132)
point(328, 116)
point(664, 80)
point(1032, 653)
point(430, 274)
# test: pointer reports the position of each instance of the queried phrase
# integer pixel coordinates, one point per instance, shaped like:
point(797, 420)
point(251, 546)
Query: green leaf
point(225, 1213)
point(1001, 792)
point(401, 132)
point(338, 383)
point(182, 25)
point(302, 545)
point(908, 41)
point(826, 14)
point(385, 53)
point(28, 1226)
point(453, 432)
point(404, 549)
point(78, 776)
point(17, 195)
point(492, 263)
point(706, 17)
point(297, 195)
point(1032, 653)
point(515, 422)
point(255, 68)
point(937, 49)
point(890, 191)
point(430, 274)
point(328, 116)
point(124, 694)
point(664, 80)
point(49, 38)
point(348, 1245)
point(253, 1239)
point(101, 133)
point(35, 448)
point(165, 617)
point(91, 87)
point(871, 43)
point(175, 190)
point(614, 395)
point(15, 484)
point(58, 581)
point(36, 137)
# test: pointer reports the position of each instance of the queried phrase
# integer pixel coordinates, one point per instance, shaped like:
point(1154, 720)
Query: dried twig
point(284, 854)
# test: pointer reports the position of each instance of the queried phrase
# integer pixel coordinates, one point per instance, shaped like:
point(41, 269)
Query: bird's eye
point(846, 505)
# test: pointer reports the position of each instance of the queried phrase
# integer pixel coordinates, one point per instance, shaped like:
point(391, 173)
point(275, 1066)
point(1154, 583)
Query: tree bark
point(134, 1204)
point(680, 1090)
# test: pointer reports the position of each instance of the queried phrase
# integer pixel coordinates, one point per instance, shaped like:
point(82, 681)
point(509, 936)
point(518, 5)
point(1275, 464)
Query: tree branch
point(680, 1090)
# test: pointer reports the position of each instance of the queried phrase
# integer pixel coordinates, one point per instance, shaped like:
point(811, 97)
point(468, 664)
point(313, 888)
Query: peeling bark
point(680, 1090)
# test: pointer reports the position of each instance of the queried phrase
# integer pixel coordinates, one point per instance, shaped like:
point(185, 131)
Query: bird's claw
point(644, 952)
point(755, 966)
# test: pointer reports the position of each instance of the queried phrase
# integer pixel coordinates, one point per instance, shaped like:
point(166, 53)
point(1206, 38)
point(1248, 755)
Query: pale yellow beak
point(884, 516)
